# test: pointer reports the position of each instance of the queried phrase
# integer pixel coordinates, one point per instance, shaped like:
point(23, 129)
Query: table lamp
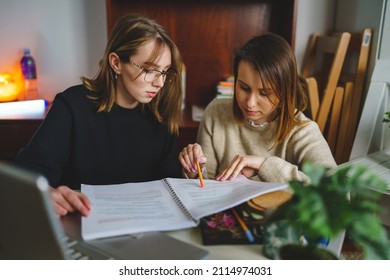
point(9, 87)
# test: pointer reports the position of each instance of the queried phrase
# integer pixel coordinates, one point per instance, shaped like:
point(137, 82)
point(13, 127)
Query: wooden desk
point(17, 130)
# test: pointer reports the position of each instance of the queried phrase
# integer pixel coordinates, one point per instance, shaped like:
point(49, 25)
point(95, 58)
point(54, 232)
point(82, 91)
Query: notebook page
point(218, 196)
point(131, 208)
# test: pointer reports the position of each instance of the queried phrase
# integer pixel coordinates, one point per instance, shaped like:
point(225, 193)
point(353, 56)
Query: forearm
point(275, 169)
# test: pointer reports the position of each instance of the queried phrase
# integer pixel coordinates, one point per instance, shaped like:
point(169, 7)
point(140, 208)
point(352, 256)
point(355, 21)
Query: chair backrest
point(353, 77)
point(314, 102)
point(335, 118)
point(323, 61)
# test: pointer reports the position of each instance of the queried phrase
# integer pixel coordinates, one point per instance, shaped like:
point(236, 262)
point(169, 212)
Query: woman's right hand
point(67, 201)
point(188, 157)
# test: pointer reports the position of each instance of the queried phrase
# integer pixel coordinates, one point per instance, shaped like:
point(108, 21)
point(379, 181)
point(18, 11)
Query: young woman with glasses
point(120, 126)
point(262, 132)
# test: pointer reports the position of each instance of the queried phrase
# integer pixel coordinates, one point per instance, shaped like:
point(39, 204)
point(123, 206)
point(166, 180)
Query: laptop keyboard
point(79, 251)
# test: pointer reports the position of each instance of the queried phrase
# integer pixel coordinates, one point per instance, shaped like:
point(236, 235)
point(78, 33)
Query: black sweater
point(75, 144)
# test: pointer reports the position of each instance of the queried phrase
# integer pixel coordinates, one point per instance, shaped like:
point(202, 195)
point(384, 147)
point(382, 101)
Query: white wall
point(312, 16)
point(355, 15)
point(66, 38)
point(384, 48)
point(336, 15)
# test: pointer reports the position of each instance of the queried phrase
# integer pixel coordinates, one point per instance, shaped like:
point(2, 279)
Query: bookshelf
point(207, 33)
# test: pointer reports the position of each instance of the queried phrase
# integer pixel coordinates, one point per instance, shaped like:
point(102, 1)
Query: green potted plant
point(333, 201)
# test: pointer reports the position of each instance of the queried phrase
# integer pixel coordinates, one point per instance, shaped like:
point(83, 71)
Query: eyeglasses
point(152, 75)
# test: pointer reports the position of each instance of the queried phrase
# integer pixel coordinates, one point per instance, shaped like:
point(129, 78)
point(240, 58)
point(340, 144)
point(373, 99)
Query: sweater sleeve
point(48, 149)
point(304, 144)
point(205, 140)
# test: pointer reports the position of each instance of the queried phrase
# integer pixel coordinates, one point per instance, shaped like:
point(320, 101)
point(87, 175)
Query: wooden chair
point(335, 116)
point(323, 62)
point(314, 102)
point(352, 77)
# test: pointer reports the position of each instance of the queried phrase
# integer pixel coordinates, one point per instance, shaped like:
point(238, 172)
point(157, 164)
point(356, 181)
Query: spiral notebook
point(163, 205)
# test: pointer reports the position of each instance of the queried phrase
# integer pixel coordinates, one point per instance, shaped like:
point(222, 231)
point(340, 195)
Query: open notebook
point(30, 229)
point(163, 205)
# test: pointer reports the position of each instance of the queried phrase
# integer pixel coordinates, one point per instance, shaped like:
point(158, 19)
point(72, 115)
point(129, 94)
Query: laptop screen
point(29, 228)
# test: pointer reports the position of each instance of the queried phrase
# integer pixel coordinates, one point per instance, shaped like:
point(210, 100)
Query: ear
point(115, 62)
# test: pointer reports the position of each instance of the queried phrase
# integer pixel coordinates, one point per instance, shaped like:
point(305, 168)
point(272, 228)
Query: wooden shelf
point(186, 119)
point(188, 128)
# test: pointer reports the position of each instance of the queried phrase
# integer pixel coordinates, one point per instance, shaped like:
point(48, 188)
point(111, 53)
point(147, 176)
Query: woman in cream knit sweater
point(262, 132)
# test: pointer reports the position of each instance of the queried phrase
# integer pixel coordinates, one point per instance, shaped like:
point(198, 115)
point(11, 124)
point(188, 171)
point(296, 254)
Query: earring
point(116, 72)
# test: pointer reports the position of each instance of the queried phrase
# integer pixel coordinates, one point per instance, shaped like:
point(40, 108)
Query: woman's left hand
point(245, 164)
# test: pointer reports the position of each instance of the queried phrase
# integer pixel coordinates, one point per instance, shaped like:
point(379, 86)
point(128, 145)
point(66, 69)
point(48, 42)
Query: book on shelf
point(225, 89)
point(221, 96)
point(163, 205)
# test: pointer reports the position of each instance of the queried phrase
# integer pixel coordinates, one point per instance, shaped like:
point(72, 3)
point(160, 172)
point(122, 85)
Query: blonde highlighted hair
point(131, 32)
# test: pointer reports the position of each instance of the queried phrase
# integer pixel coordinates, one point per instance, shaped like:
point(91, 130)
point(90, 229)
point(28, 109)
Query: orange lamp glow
point(9, 87)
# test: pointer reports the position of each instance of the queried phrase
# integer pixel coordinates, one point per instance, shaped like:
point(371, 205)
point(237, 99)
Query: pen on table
point(200, 174)
point(247, 232)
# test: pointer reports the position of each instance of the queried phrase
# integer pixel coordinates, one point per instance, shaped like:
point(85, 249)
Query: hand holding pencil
point(191, 159)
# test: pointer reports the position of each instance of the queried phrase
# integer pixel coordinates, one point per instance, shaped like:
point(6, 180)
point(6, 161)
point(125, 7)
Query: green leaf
point(335, 200)
point(387, 117)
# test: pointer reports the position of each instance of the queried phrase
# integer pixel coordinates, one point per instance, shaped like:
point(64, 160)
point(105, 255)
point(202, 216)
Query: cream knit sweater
point(222, 139)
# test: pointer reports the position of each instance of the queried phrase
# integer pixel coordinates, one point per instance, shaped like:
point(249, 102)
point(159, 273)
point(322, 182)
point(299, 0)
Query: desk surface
point(219, 252)
point(71, 225)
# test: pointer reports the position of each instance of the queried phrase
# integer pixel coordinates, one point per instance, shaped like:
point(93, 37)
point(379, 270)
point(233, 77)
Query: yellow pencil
point(200, 174)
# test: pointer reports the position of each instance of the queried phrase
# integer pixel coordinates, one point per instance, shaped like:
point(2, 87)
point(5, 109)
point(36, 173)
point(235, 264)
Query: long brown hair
point(274, 59)
point(130, 33)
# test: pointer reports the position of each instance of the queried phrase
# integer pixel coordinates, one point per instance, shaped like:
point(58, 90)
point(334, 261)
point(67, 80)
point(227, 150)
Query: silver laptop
point(31, 230)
